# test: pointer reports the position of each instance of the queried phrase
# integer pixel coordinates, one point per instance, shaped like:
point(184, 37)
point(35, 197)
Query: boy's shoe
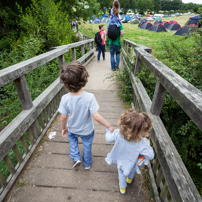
point(116, 67)
point(128, 180)
point(122, 191)
point(87, 168)
point(76, 164)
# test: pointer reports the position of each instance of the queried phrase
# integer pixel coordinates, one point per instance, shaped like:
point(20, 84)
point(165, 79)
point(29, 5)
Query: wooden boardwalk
point(50, 177)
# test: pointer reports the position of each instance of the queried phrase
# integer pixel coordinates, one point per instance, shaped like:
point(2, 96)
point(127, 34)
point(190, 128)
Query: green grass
point(132, 32)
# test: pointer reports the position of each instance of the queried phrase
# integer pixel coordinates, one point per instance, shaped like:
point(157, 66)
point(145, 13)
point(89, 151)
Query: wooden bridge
point(49, 175)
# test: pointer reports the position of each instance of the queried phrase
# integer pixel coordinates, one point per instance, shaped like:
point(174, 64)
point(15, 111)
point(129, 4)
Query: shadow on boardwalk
point(50, 177)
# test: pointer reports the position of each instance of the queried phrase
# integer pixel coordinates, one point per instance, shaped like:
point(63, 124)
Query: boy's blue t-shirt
point(80, 109)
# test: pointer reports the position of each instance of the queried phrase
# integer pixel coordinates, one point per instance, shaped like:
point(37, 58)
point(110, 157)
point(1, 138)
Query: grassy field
point(145, 37)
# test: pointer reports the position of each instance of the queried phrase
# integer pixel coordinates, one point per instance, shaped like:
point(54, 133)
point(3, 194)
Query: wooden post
point(129, 46)
point(83, 52)
point(23, 93)
point(158, 99)
point(137, 65)
point(61, 59)
point(73, 54)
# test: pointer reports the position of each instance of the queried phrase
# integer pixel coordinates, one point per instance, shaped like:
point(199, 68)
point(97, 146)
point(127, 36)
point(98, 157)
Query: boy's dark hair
point(116, 7)
point(133, 125)
point(100, 26)
point(74, 76)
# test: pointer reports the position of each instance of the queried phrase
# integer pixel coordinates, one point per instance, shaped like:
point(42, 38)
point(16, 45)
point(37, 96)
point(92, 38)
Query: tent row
point(163, 26)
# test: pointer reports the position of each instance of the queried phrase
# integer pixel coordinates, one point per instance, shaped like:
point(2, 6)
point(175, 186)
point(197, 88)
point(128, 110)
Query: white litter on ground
point(51, 135)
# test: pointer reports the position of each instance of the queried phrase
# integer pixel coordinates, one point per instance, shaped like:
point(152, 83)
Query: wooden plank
point(27, 157)
point(137, 66)
point(23, 93)
point(158, 99)
point(154, 187)
point(17, 154)
point(45, 116)
point(24, 144)
point(15, 71)
point(186, 95)
point(155, 166)
point(73, 54)
point(61, 59)
point(12, 133)
point(3, 182)
point(41, 121)
point(9, 165)
point(82, 59)
point(164, 192)
point(167, 154)
point(159, 177)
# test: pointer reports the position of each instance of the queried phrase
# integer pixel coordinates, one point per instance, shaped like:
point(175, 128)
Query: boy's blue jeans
point(87, 146)
point(114, 48)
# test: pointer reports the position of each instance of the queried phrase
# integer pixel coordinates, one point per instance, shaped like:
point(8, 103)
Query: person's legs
point(99, 52)
point(74, 148)
point(122, 179)
point(118, 51)
point(103, 51)
point(132, 173)
point(111, 47)
point(87, 146)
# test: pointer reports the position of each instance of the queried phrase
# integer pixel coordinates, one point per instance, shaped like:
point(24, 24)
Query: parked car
point(150, 19)
point(172, 15)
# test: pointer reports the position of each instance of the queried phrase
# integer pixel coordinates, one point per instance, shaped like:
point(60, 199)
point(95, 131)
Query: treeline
point(143, 6)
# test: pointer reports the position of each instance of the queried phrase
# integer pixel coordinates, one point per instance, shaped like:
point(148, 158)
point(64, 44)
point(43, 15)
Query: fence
point(37, 115)
point(169, 176)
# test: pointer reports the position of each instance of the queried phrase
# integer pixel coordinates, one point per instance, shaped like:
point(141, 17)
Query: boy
point(81, 107)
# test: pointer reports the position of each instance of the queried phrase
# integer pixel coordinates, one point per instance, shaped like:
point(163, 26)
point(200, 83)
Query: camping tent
point(142, 21)
point(195, 20)
point(105, 15)
point(166, 24)
point(96, 21)
point(173, 22)
point(183, 31)
point(157, 28)
point(158, 21)
point(173, 27)
point(146, 25)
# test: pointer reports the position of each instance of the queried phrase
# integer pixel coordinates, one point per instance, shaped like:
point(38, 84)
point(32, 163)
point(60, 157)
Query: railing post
point(23, 93)
point(61, 59)
point(158, 99)
point(129, 46)
point(137, 65)
point(83, 50)
point(73, 54)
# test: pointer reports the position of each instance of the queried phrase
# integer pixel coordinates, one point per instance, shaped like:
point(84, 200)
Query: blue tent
point(195, 20)
point(105, 15)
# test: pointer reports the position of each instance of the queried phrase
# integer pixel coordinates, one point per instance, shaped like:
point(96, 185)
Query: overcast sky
point(192, 1)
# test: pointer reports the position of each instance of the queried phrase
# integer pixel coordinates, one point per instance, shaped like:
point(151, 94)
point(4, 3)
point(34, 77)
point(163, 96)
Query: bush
point(135, 21)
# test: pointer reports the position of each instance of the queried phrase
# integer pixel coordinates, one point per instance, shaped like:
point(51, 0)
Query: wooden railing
point(169, 176)
point(37, 115)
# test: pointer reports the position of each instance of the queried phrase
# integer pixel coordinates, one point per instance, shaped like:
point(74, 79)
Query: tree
point(157, 5)
point(105, 5)
point(144, 5)
point(127, 4)
point(80, 9)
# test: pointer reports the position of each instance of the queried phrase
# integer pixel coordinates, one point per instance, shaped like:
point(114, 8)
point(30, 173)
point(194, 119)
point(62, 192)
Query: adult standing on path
point(101, 47)
point(115, 44)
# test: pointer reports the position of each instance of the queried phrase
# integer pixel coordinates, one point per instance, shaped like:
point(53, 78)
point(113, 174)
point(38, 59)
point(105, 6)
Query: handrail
point(169, 177)
point(37, 115)
point(15, 71)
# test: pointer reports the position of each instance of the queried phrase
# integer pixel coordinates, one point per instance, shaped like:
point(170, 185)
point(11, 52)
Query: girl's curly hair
point(133, 125)
point(74, 76)
point(116, 7)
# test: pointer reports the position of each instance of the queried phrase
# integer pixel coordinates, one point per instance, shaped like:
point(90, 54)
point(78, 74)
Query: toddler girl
point(130, 144)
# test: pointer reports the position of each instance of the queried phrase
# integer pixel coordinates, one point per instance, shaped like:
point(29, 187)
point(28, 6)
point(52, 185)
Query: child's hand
point(64, 132)
point(111, 129)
